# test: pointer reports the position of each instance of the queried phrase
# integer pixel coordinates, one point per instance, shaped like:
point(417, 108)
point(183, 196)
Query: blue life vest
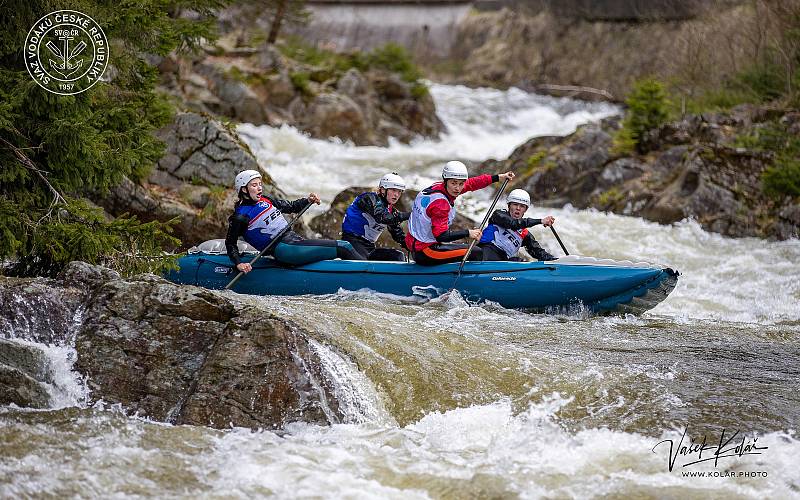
point(361, 223)
point(266, 221)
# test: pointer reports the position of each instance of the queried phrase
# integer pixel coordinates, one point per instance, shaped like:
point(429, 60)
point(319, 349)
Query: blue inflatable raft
point(601, 285)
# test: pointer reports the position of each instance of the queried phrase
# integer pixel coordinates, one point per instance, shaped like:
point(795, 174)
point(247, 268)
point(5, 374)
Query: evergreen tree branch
point(27, 163)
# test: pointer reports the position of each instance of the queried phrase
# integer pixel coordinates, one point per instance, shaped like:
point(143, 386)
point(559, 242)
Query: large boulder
point(178, 354)
point(186, 355)
point(16, 387)
point(233, 97)
point(334, 115)
point(192, 181)
point(691, 169)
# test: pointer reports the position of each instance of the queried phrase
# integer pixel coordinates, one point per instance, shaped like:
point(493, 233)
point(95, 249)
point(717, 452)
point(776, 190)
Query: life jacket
point(507, 240)
point(361, 223)
point(266, 221)
point(420, 226)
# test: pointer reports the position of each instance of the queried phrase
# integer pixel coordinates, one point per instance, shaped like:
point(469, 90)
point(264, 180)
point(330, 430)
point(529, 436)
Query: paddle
point(559, 240)
point(275, 240)
point(483, 225)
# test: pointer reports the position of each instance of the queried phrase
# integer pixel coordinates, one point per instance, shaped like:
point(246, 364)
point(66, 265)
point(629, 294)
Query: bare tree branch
point(28, 163)
point(574, 88)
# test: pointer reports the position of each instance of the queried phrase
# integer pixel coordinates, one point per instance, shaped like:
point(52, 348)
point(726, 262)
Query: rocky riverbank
point(691, 168)
point(171, 353)
point(356, 97)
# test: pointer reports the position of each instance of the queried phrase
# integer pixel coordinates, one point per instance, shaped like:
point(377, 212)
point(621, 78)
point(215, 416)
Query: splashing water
point(447, 400)
point(481, 124)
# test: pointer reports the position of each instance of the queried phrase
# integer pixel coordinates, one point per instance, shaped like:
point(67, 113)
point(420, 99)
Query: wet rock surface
point(177, 354)
point(690, 169)
point(193, 181)
point(24, 369)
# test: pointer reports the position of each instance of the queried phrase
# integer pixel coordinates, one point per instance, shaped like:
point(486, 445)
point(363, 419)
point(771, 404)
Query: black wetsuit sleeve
point(237, 226)
point(535, 250)
point(375, 206)
point(503, 219)
point(291, 207)
point(451, 235)
point(398, 234)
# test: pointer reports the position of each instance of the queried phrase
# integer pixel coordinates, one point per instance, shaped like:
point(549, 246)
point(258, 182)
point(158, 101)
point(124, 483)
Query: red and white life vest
point(420, 225)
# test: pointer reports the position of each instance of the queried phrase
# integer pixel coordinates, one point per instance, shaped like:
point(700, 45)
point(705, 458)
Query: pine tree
point(648, 108)
point(55, 150)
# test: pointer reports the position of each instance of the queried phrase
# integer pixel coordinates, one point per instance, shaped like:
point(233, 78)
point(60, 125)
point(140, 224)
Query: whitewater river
point(444, 400)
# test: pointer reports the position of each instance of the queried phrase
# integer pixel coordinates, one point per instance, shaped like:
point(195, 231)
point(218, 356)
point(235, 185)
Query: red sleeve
point(438, 211)
point(475, 183)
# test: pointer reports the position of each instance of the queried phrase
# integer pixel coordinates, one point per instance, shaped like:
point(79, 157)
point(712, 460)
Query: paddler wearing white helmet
point(430, 235)
point(258, 219)
point(372, 213)
point(507, 231)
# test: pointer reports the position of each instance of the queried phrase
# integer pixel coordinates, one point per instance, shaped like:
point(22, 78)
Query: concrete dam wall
point(429, 28)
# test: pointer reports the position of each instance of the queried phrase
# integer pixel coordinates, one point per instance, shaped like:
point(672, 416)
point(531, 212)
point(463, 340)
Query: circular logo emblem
point(66, 52)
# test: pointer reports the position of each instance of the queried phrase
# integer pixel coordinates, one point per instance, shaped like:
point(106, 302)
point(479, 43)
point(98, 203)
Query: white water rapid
point(447, 400)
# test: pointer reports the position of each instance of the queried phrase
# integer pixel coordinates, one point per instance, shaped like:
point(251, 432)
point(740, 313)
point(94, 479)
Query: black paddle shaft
point(272, 243)
point(483, 225)
point(559, 240)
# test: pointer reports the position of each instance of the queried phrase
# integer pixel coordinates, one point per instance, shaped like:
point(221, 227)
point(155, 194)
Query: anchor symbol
point(64, 68)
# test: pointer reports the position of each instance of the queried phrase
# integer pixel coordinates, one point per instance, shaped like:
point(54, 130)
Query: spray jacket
point(258, 222)
point(434, 211)
point(369, 215)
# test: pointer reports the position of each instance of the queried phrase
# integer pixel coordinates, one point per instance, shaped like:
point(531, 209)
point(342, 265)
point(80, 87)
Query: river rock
point(691, 169)
point(20, 389)
point(24, 371)
point(192, 181)
point(335, 115)
point(28, 359)
point(260, 85)
point(186, 355)
point(172, 353)
point(42, 311)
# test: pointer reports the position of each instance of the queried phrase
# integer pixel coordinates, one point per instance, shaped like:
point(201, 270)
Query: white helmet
point(519, 196)
point(455, 170)
point(392, 181)
point(244, 177)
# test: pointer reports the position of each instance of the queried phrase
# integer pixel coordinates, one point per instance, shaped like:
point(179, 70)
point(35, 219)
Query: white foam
point(485, 448)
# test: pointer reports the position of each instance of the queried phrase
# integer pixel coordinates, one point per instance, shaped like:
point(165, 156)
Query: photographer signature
point(725, 448)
